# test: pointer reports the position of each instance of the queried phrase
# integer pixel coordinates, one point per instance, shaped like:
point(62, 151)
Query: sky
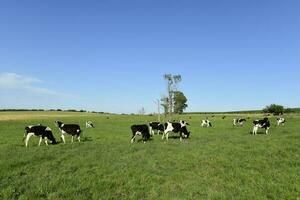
point(111, 55)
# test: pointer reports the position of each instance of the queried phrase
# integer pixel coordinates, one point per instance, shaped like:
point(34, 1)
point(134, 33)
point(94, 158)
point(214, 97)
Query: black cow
point(70, 129)
point(238, 121)
point(263, 123)
point(156, 126)
point(176, 128)
point(43, 132)
point(142, 130)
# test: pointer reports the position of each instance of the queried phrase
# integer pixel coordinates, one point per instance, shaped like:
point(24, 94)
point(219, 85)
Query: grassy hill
point(223, 162)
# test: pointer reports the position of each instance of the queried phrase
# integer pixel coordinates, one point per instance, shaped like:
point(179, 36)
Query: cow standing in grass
point(206, 123)
point(69, 129)
point(156, 126)
point(238, 122)
point(263, 123)
point(142, 130)
point(280, 121)
point(89, 124)
point(176, 128)
point(43, 132)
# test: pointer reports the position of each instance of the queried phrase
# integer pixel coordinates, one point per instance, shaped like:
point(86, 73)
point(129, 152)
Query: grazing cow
point(156, 126)
point(238, 122)
point(263, 123)
point(142, 130)
point(43, 132)
point(281, 121)
point(206, 123)
point(223, 117)
point(176, 128)
point(89, 124)
point(70, 129)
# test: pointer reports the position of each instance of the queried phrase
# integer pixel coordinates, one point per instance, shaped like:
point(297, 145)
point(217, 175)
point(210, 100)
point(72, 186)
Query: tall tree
point(172, 81)
point(179, 102)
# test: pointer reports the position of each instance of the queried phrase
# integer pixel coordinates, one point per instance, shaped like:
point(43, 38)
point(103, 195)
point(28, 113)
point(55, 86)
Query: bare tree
point(158, 109)
point(141, 111)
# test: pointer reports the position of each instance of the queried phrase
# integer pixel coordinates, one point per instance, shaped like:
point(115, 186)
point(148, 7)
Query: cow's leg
point(72, 140)
point(151, 131)
point(254, 130)
point(41, 139)
point(27, 138)
point(78, 138)
point(164, 133)
point(46, 141)
point(180, 136)
point(167, 136)
point(133, 138)
point(267, 130)
point(63, 138)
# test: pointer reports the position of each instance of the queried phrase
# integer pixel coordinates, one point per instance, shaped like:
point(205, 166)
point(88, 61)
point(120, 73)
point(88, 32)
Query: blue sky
point(111, 55)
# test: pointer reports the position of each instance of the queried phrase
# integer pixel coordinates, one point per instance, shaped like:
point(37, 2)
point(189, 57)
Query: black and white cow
point(70, 129)
point(263, 123)
point(176, 128)
point(206, 123)
point(238, 122)
point(156, 126)
point(142, 130)
point(89, 124)
point(43, 132)
point(281, 121)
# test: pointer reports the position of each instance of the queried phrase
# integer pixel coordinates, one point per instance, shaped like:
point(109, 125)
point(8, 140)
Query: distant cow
point(176, 128)
point(156, 126)
point(238, 122)
point(89, 124)
point(43, 132)
point(142, 130)
point(206, 123)
point(280, 121)
point(263, 123)
point(69, 129)
point(223, 117)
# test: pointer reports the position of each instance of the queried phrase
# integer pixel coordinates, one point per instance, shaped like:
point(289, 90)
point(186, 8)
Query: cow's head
point(50, 135)
point(58, 124)
point(183, 123)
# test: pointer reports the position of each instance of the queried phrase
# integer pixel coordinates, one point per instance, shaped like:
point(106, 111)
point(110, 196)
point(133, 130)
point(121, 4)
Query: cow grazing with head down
point(263, 123)
point(43, 132)
point(238, 122)
point(206, 123)
point(156, 126)
point(89, 124)
point(141, 130)
point(176, 128)
point(281, 121)
point(69, 129)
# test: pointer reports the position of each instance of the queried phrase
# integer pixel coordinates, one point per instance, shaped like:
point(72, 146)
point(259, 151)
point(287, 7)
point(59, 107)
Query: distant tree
point(172, 81)
point(274, 109)
point(141, 111)
point(179, 102)
point(165, 105)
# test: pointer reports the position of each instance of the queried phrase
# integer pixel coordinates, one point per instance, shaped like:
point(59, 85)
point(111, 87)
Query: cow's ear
point(187, 124)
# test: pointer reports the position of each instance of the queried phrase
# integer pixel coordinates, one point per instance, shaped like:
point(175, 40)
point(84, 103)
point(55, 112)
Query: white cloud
point(13, 81)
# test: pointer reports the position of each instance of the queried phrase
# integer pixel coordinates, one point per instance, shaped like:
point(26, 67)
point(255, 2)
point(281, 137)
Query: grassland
point(223, 162)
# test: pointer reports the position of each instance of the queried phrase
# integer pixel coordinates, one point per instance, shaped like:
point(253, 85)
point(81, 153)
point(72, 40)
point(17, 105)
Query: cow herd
point(146, 131)
point(143, 130)
point(45, 133)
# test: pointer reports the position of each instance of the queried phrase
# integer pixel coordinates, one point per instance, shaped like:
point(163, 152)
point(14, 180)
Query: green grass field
point(223, 162)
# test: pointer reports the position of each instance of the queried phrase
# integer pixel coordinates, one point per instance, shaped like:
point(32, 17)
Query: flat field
point(222, 162)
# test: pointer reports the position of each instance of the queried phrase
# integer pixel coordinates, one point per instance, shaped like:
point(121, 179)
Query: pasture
point(222, 162)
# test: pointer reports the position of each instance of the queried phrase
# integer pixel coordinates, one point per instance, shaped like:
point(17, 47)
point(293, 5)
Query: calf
point(142, 130)
point(156, 126)
point(280, 121)
point(43, 132)
point(263, 123)
point(89, 124)
point(70, 129)
point(176, 128)
point(206, 123)
point(238, 122)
